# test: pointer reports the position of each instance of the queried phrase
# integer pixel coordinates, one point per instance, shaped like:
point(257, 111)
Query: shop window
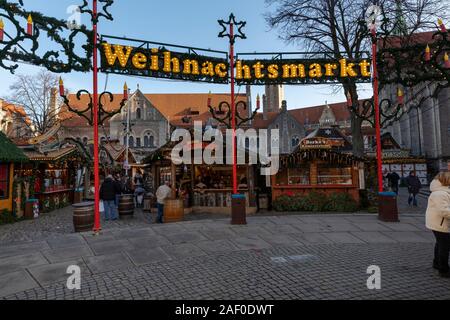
point(4, 181)
point(299, 175)
point(330, 174)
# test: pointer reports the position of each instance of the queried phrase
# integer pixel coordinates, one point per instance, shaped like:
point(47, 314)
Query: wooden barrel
point(173, 211)
point(126, 206)
point(83, 216)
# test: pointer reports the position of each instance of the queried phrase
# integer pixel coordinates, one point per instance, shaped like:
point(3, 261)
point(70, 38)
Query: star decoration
point(232, 21)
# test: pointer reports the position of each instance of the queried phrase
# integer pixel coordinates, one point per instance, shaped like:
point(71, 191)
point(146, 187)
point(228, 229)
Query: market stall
point(10, 156)
point(321, 165)
point(55, 176)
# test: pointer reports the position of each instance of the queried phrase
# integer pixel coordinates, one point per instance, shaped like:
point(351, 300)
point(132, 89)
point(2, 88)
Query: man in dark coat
point(414, 186)
point(393, 179)
point(108, 192)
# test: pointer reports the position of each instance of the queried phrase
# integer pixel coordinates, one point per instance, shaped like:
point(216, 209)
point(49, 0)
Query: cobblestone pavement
point(273, 257)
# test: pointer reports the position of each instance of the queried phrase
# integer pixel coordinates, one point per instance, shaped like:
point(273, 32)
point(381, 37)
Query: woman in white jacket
point(437, 220)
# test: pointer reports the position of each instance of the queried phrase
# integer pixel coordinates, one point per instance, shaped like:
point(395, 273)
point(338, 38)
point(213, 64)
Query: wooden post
point(174, 183)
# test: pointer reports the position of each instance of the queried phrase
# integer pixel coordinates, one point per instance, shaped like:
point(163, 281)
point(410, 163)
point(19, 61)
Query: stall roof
point(9, 152)
point(51, 155)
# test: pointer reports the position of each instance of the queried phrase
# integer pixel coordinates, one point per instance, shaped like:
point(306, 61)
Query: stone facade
point(425, 128)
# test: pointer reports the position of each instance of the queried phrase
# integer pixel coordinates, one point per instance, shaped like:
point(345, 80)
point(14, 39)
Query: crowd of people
point(116, 185)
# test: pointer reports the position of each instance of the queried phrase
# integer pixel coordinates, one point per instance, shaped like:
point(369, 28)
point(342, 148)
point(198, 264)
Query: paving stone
point(147, 256)
point(250, 243)
point(149, 242)
point(217, 246)
point(109, 247)
point(371, 226)
point(167, 229)
point(373, 237)
point(105, 263)
point(342, 237)
point(245, 231)
point(185, 237)
point(16, 282)
point(183, 251)
point(66, 241)
point(281, 240)
point(400, 226)
point(134, 233)
point(310, 238)
point(21, 249)
point(67, 254)
point(56, 272)
point(218, 233)
point(407, 236)
point(12, 264)
point(280, 229)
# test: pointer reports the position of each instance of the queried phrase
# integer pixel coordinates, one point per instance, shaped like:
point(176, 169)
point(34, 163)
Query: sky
point(189, 23)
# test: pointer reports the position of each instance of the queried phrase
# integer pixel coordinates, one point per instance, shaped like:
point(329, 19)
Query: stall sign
point(316, 143)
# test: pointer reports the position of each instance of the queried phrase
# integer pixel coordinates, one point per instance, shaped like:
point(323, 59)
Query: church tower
point(273, 98)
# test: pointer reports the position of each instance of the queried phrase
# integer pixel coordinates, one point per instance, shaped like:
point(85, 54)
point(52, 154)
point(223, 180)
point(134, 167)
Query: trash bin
point(238, 214)
point(387, 207)
point(31, 208)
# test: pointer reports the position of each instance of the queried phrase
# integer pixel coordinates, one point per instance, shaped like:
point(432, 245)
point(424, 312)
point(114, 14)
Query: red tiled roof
point(173, 106)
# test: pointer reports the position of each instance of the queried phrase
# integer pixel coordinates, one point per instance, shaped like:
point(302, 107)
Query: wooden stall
point(10, 156)
point(203, 188)
point(55, 173)
point(319, 164)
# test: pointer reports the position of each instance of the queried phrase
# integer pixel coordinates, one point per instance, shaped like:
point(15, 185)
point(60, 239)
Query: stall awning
point(9, 152)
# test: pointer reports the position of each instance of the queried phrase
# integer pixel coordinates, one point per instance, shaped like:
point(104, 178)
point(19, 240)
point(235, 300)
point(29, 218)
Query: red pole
point(97, 226)
point(233, 111)
point(377, 111)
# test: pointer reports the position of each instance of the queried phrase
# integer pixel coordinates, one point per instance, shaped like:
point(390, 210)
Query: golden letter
point(208, 69)
point(139, 60)
point(347, 69)
point(168, 62)
point(273, 71)
point(258, 70)
point(155, 60)
point(365, 68)
point(191, 67)
point(329, 69)
point(315, 71)
point(242, 71)
point(221, 70)
point(118, 53)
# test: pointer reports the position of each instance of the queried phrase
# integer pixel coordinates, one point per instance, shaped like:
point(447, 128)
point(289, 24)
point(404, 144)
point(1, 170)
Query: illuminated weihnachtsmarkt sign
point(191, 66)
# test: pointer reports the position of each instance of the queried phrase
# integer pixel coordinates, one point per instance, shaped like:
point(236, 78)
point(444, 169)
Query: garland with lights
point(12, 42)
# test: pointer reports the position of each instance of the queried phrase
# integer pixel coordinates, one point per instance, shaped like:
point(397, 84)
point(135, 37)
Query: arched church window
point(131, 142)
point(138, 114)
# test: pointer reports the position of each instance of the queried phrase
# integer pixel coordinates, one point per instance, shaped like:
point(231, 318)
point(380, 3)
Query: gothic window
point(131, 142)
point(152, 141)
point(125, 140)
point(146, 141)
point(149, 140)
point(138, 113)
point(138, 142)
point(295, 141)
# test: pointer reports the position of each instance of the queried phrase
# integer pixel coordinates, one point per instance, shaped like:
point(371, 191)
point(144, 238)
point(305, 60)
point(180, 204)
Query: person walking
point(437, 220)
point(393, 179)
point(118, 182)
point(164, 192)
point(108, 192)
point(414, 186)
